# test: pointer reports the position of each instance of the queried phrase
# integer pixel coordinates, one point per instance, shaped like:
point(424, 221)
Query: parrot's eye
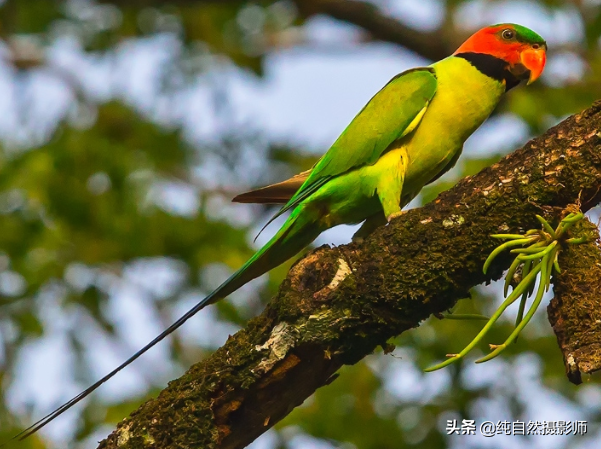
point(508, 34)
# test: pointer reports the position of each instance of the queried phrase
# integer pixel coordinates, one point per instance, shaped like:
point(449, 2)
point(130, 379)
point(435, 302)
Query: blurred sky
point(307, 97)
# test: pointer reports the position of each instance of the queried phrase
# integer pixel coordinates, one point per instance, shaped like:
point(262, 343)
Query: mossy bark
point(338, 304)
point(575, 311)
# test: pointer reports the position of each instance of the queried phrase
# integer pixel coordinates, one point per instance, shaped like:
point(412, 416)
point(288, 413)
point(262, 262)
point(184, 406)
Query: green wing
point(388, 116)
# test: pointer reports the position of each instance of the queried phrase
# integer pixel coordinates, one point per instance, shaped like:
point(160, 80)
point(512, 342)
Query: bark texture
point(575, 311)
point(338, 304)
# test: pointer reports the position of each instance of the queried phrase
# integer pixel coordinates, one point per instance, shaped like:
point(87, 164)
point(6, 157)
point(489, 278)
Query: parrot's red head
point(510, 48)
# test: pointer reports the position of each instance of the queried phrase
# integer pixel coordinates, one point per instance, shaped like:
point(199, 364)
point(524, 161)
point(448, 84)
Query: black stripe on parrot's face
point(493, 67)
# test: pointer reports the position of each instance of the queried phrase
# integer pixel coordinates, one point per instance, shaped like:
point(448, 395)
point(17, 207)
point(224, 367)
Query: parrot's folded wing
point(391, 114)
point(278, 193)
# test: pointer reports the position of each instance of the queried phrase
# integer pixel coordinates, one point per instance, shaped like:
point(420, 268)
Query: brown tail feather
point(278, 193)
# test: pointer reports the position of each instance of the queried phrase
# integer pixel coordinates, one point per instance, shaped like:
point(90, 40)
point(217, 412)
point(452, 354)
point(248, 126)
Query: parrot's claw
point(395, 215)
point(369, 226)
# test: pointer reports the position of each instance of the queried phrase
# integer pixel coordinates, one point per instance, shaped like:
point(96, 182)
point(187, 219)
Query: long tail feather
point(298, 232)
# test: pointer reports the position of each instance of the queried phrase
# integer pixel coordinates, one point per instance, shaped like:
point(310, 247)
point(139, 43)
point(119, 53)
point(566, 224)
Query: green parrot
point(408, 135)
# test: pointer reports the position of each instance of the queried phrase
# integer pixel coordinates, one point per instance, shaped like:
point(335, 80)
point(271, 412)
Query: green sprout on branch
point(540, 256)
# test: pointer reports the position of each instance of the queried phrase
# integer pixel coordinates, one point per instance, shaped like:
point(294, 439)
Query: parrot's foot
point(369, 226)
point(357, 239)
point(395, 215)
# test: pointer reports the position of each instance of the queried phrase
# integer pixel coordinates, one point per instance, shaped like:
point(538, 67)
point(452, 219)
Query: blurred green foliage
point(117, 183)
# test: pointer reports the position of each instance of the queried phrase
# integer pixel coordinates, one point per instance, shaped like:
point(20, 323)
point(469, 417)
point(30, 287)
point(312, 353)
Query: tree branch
point(338, 304)
point(575, 311)
point(362, 14)
point(379, 26)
